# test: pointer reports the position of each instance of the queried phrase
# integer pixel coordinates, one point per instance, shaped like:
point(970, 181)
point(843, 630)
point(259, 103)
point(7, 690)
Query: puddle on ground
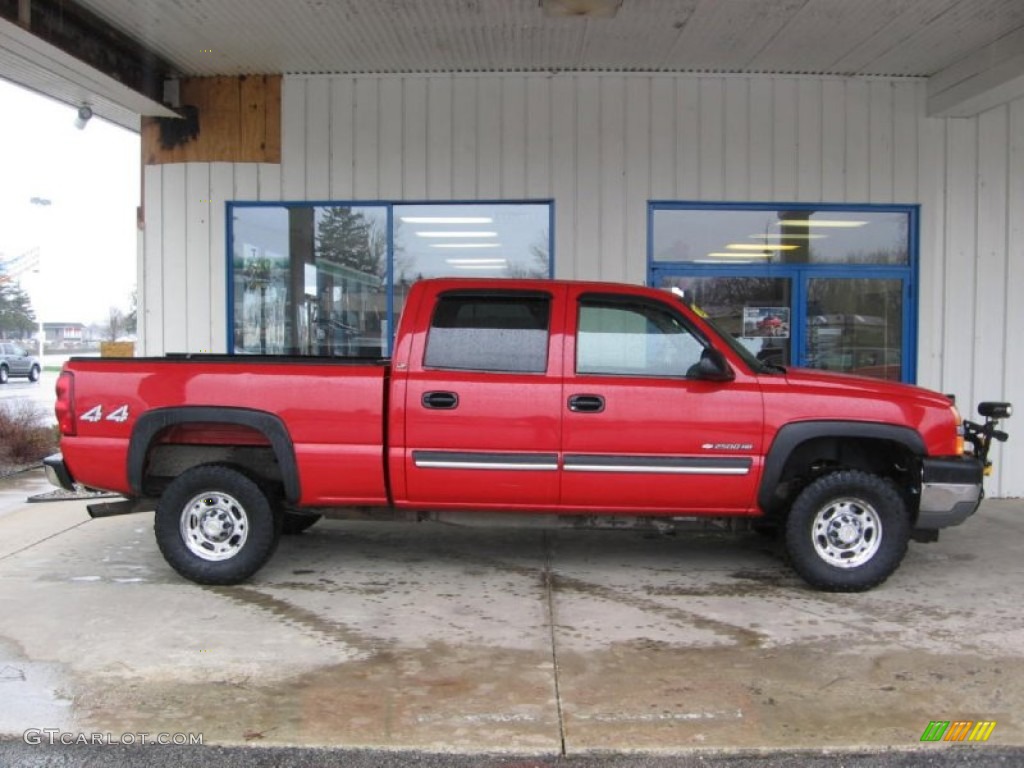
point(33, 694)
point(437, 697)
point(644, 696)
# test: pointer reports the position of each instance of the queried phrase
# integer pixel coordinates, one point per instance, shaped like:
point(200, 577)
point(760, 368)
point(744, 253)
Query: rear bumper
point(951, 491)
point(58, 473)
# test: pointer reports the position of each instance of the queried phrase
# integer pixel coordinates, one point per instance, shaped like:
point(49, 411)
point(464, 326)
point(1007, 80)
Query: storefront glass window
point(331, 279)
point(815, 285)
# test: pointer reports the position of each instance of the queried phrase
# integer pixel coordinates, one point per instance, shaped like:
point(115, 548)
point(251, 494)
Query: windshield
point(758, 366)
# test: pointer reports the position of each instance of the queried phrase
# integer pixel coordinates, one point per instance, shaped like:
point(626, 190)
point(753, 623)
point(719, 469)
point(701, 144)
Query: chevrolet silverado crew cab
point(522, 396)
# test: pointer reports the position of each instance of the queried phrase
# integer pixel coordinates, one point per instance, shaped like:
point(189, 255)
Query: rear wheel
point(215, 526)
point(847, 531)
point(4, 374)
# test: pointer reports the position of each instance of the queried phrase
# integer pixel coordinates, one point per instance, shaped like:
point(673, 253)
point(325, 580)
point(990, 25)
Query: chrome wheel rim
point(214, 526)
point(847, 533)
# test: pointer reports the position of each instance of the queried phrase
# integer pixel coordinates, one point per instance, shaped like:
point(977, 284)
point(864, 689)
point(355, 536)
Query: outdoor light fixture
point(84, 116)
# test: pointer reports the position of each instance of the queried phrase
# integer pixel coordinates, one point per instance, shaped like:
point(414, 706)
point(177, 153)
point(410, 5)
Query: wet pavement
point(504, 640)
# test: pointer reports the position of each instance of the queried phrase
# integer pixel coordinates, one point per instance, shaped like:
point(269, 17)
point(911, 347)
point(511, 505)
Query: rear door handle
point(586, 403)
point(442, 401)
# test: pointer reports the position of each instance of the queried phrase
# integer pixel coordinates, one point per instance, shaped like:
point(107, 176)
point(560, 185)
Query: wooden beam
point(239, 121)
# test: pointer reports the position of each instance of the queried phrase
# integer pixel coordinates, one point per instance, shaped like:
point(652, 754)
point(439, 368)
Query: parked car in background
point(16, 361)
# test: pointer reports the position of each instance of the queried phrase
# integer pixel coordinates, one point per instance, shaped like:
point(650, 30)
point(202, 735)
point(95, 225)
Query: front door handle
point(586, 403)
point(442, 401)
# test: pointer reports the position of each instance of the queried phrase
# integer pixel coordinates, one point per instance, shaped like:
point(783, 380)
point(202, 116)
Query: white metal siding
point(601, 146)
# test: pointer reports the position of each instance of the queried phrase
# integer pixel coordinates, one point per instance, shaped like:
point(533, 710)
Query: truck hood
point(830, 382)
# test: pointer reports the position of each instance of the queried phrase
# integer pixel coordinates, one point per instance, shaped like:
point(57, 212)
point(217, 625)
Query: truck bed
point(333, 408)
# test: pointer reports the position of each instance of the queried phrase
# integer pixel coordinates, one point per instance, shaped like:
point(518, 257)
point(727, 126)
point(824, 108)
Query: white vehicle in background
point(15, 361)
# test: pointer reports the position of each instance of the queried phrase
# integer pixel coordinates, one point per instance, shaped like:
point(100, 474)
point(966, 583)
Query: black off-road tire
point(34, 374)
point(214, 525)
point(295, 523)
point(847, 531)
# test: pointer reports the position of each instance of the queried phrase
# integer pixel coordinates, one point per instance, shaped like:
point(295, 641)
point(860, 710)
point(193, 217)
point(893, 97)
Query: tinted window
point(489, 333)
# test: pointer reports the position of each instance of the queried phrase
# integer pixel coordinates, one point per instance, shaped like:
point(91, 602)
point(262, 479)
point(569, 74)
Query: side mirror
point(712, 367)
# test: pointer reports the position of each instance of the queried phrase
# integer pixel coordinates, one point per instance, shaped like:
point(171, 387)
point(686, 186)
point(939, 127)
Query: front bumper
point(57, 472)
point(951, 491)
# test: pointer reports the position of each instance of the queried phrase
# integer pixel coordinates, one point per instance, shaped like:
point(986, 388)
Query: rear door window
point(504, 332)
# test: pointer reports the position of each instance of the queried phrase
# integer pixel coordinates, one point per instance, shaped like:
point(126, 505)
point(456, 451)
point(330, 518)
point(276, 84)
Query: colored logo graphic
point(958, 730)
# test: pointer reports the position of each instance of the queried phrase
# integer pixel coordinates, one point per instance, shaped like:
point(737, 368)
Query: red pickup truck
point(527, 396)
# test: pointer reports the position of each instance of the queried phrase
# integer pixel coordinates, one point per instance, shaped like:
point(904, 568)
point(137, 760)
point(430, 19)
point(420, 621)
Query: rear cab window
point(503, 332)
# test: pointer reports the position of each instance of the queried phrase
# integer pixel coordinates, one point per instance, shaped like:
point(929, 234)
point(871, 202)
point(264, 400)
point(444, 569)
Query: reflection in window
point(766, 236)
point(756, 311)
point(855, 326)
point(330, 280)
point(477, 240)
point(327, 299)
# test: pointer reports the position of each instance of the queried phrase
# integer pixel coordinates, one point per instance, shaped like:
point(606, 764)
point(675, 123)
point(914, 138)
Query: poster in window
point(766, 322)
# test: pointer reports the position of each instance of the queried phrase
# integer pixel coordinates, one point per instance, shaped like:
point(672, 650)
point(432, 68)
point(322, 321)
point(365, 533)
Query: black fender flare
point(790, 436)
point(151, 423)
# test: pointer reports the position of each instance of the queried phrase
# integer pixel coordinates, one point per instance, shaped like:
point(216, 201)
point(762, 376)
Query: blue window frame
point(330, 278)
point(817, 285)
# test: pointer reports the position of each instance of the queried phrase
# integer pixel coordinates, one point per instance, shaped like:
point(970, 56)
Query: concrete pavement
point(526, 641)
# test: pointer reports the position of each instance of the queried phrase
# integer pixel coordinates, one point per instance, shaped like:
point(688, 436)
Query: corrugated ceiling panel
point(727, 36)
point(950, 36)
point(822, 32)
point(910, 19)
point(903, 37)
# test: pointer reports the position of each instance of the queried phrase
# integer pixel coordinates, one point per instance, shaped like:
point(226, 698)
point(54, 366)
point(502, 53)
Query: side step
point(123, 507)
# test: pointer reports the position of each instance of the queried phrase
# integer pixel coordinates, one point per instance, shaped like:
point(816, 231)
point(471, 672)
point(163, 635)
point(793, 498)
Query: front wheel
point(34, 373)
point(215, 526)
point(847, 531)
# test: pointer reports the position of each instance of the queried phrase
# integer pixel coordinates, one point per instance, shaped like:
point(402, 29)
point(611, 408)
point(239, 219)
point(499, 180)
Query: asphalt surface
point(20, 755)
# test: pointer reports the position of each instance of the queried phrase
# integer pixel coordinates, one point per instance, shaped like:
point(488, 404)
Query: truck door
point(641, 433)
point(482, 401)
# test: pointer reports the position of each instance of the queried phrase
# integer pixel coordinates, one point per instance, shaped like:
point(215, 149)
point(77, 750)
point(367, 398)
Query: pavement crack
point(550, 594)
point(45, 538)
